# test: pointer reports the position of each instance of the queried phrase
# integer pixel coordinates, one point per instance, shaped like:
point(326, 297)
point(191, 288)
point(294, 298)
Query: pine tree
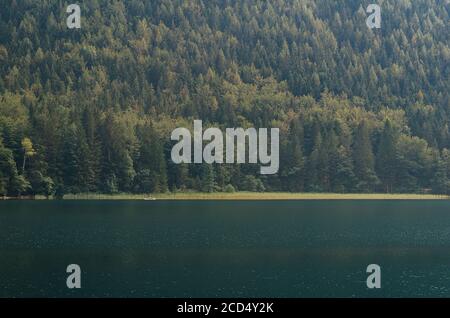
point(293, 169)
point(75, 160)
point(386, 161)
point(440, 182)
point(8, 172)
point(345, 179)
point(312, 173)
point(208, 183)
point(363, 159)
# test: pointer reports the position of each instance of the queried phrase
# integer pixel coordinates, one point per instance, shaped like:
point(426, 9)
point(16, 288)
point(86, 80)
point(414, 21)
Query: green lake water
point(225, 248)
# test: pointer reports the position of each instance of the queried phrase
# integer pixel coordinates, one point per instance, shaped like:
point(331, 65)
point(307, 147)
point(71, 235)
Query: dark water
point(225, 249)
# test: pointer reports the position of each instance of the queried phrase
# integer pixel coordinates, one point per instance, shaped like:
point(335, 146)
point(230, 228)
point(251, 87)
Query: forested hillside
point(92, 109)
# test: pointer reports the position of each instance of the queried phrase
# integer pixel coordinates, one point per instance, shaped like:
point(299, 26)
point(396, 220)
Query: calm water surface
point(225, 248)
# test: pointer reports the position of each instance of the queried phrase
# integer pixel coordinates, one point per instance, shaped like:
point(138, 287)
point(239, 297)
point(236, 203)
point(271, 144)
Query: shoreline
point(245, 196)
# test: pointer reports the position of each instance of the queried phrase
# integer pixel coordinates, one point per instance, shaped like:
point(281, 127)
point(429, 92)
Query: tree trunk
point(23, 165)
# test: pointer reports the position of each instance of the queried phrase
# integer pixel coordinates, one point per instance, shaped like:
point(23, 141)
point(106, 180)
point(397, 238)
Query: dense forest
point(92, 109)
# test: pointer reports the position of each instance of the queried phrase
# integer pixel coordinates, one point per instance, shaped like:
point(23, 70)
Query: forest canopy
point(91, 109)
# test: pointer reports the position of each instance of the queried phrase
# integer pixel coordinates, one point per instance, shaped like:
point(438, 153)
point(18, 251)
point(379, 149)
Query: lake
point(225, 248)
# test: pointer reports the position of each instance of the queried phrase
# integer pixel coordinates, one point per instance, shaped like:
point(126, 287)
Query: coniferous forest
point(92, 109)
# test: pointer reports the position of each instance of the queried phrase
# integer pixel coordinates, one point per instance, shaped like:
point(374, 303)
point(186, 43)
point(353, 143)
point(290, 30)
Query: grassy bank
point(253, 196)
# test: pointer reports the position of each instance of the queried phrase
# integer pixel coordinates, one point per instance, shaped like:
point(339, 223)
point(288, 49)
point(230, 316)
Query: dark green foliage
point(9, 178)
point(363, 160)
point(387, 163)
point(441, 184)
point(98, 104)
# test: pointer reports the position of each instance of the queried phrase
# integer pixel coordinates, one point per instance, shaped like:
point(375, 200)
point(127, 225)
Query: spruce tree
point(363, 159)
point(386, 160)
